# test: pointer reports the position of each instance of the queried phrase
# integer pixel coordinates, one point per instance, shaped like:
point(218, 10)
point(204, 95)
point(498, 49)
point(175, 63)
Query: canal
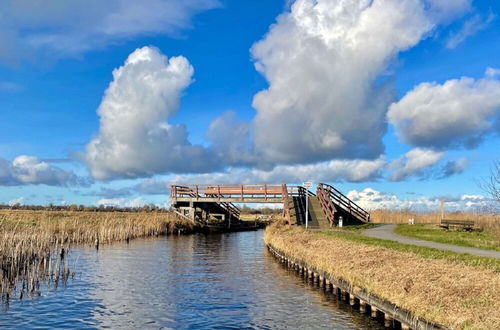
point(183, 282)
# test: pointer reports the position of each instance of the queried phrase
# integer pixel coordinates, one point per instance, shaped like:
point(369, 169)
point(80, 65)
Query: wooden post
point(362, 306)
point(442, 209)
point(352, 300)
point(388, 320)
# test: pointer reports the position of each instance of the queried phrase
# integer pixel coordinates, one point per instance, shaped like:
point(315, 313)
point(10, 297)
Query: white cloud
point(31, 170)
point(38, 28)
point(457, 112)
point(472, 26)
point(335, 170)
point(323, 61)
point(492, 72)
point(447, 10)
point(122, 202)
point(109, 202)
point(17, 201)
point(372, 199)
point(413, 163)
point(134, 138)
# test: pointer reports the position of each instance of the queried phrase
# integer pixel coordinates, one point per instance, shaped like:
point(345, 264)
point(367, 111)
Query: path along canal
point(183, 282)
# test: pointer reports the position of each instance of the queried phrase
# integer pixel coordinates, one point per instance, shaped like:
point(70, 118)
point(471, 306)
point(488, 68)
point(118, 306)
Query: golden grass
point(450, 293)
point(33, 244)
point(484, 221)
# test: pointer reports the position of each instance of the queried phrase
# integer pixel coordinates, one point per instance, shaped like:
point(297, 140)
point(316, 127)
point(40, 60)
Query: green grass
point(425, 252)
point(475, 239)
point(359, 228)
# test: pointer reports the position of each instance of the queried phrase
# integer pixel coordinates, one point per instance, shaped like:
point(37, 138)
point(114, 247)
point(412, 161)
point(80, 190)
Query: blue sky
point(394, 102)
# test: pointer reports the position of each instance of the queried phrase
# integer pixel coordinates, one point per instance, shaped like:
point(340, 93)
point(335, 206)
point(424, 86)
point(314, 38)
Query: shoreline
point(357, 297)
point(417, 292)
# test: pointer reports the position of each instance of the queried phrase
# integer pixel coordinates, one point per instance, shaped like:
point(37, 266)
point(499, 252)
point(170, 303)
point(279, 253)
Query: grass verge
point(443, 287)
point(422, 251)
point(475, 239)
point(488, 221)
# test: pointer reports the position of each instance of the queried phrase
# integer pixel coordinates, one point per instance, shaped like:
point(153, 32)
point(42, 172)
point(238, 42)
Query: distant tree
point(491, 185)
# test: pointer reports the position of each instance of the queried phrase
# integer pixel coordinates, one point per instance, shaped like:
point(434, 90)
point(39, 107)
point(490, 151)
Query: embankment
point(443, 292)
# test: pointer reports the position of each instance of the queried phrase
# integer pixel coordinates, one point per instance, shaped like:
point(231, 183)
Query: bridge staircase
point(335, 205)
point(317, 218)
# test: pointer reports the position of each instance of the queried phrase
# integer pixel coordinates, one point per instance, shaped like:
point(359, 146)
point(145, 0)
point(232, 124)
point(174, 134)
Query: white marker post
point(307, 185)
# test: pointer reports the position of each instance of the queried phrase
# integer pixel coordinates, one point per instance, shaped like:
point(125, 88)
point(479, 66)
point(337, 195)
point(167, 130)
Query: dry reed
point(484, 221)
point(34, 244)
point(456, 295)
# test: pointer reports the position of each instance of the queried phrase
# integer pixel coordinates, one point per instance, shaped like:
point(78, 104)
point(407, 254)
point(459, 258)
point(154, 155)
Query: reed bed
point(34, 244)
point(453, 294)
point(483, 221)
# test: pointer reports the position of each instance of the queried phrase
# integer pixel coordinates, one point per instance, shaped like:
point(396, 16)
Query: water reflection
point(184, 282)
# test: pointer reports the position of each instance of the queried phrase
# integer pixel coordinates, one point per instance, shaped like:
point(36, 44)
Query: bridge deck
point(241, 193)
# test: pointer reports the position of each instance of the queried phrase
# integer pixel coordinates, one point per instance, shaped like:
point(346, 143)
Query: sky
point(396, 103)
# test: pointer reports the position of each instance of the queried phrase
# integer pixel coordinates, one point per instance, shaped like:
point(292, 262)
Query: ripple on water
point(187, 282)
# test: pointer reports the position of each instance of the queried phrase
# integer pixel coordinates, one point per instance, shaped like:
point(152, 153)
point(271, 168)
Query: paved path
point(387, 232)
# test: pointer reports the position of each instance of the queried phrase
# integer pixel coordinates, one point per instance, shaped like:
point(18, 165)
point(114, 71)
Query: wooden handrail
point(329, 195)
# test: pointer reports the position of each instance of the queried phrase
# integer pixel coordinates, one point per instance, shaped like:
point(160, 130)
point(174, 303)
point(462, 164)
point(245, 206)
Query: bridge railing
point(326, 191)
point(237, 191)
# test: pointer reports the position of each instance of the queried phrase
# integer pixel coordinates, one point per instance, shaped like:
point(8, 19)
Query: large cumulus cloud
point(327, 100)
point(134, 137)
point(325, 61)
point(459, 112)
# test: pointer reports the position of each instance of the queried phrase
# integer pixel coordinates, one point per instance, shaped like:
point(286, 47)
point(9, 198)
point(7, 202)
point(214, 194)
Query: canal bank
point(414, 291)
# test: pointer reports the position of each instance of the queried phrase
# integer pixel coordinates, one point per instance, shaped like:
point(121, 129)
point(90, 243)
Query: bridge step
point(317, 217)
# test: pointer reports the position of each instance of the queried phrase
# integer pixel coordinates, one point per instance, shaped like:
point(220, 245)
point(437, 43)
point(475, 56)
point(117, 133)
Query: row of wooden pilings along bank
point(366, 303)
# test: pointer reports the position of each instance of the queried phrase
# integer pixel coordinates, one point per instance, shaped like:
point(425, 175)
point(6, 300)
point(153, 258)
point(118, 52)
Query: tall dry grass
point(483, 221)
point(453, 294)
point(34, 244)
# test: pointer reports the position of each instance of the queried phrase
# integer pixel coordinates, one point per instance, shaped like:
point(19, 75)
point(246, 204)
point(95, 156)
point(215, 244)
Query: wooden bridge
point(209, 202)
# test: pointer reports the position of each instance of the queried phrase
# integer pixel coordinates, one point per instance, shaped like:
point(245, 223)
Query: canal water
point(218, 281)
